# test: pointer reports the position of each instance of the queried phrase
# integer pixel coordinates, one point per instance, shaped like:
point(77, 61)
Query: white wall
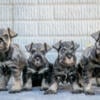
point(51, 20)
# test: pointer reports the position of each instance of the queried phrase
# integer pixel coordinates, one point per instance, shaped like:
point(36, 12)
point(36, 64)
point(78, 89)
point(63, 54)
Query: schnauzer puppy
point(38, 71)
point(89, 65)
point(65, 67)
point(12, 61)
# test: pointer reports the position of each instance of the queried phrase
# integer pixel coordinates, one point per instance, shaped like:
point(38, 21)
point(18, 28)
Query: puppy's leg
point(76, 88)
point(98, 81)
point(88, 87)
point(88, 80)
point(44, 85)
point(53, 89)
point(3, 81)
point(16, 86)
point(28, 84)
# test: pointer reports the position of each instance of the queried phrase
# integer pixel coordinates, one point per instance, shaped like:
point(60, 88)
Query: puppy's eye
point(43, 51)
point(32, 51)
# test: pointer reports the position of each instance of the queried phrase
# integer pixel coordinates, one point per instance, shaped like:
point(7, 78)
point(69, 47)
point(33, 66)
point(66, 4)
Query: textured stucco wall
point(51, 20)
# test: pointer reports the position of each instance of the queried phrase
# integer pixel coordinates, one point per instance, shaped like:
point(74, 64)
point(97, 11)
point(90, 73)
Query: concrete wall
point(51, 20)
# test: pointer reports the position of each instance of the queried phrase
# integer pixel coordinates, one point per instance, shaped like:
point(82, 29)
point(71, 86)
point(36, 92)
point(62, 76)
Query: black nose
point(37, 58)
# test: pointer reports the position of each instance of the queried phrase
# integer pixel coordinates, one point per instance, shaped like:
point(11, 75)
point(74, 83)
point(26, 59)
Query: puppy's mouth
point(38, 64)
point(68, 61)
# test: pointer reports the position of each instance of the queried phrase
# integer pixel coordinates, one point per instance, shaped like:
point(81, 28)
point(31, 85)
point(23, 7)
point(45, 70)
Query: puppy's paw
point(76, 91)
point(98, 85)
point(3, 89)
point(26, 89)
point(43, 89)
point(12, 92)
point(90, 92)
point(49, 92)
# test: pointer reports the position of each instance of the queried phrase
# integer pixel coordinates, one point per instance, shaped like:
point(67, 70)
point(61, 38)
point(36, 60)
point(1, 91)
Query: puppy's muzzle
point(68, 60)
point(37, 60)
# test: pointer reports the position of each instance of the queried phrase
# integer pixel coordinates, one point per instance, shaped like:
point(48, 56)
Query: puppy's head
point(96, 36)
point(38, 51)
point(5, 39)
point(66, 52)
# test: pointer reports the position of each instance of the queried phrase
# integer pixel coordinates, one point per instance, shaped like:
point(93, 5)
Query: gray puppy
point(65, 67)
point(89, 65)
point(12, 61)
point(38, 71)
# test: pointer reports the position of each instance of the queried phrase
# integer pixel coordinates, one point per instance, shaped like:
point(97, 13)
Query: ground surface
point(35, 94)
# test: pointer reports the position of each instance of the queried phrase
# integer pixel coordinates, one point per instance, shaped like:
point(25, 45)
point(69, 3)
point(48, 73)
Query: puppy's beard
point(68, 61)
point(37, 64)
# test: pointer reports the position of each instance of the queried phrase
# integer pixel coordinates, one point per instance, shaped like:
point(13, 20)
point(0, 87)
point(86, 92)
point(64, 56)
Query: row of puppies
point(38, 71)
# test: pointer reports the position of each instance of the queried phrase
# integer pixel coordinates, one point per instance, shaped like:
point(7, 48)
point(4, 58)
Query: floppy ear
point(96, 35)
point(12, 34)
point(76, 46)
point(29, 47)
point(47, 47)
point(57, 45)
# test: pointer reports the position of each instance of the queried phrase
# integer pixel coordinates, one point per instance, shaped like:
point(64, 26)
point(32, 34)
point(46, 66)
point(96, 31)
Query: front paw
point(14, 91)
point(16, 87)
point(49, 92)
point(90, 92)
point(3, 89)
point(98, 85)
point(43, 89)
point(76, 91)
point(26, 89)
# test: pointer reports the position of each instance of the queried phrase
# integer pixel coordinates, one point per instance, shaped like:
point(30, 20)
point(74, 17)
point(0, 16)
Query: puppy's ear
point(57, 45)
point(47, 47)
point(96, 35)
point(29, 47)
point(76, 46)
point(12, 34)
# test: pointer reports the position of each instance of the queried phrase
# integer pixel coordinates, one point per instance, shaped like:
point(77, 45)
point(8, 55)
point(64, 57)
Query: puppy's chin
point(38, 65)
